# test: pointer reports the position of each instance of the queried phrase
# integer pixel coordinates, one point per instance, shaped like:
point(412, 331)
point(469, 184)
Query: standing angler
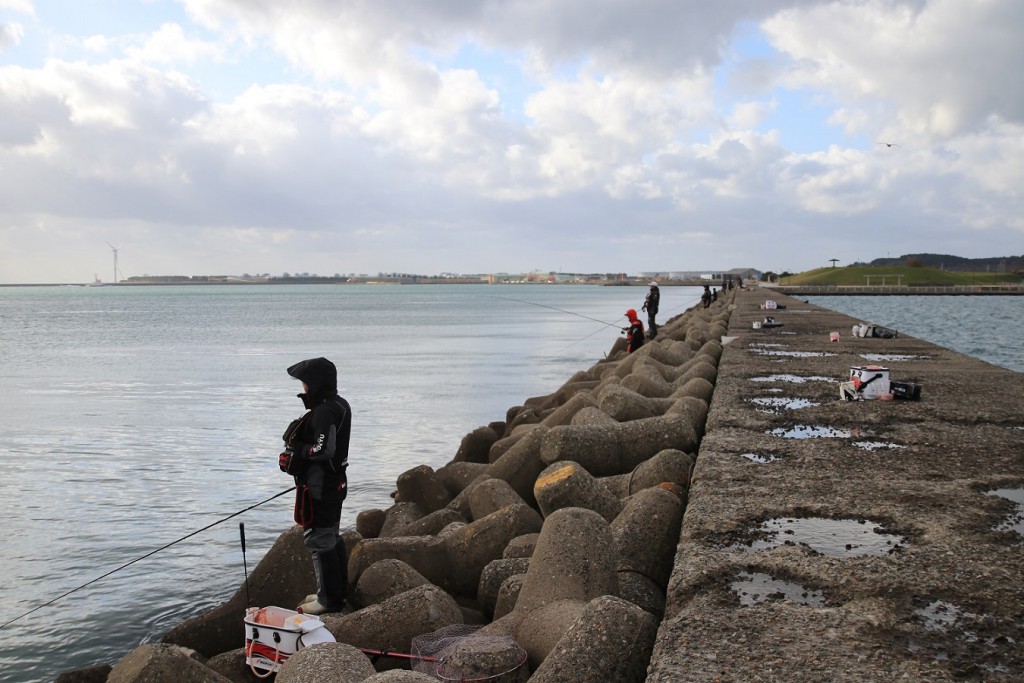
point(651, 306)
point(316, 454)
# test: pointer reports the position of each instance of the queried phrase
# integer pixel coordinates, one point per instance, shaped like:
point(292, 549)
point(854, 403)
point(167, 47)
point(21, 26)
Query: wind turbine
point(114, 249)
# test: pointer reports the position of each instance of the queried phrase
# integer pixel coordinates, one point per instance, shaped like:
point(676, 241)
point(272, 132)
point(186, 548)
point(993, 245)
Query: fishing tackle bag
point(273, 634)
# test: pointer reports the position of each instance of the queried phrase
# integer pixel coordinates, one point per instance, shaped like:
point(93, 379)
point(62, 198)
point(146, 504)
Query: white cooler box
point(273, 634)
point(871, 381)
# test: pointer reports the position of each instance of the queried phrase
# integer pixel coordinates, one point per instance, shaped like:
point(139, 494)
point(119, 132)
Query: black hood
point(320, 376)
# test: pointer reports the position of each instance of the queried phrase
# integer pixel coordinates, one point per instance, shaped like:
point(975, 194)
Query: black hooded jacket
point(320, 438)
point(652, 300)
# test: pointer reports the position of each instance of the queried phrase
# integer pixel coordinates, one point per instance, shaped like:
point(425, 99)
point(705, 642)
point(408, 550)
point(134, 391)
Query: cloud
point(10, 35)
point(21, 6)
point(247, 136)
point(170, 45)
point(938, 73)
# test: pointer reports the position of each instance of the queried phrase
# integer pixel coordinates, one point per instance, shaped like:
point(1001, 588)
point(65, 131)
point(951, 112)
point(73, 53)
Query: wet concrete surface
point(828, 540)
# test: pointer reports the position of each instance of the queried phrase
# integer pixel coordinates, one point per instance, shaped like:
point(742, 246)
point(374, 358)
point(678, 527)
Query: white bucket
point(871, 380)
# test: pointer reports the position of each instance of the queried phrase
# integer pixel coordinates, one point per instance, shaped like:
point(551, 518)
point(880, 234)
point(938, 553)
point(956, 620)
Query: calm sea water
point(131, 417)
point(986, 327)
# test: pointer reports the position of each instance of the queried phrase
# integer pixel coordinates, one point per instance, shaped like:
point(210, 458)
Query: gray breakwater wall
point(561, 530)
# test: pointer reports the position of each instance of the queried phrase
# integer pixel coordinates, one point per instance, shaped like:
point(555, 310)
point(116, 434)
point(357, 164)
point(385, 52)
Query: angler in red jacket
point(316, 454)
point(634, 333)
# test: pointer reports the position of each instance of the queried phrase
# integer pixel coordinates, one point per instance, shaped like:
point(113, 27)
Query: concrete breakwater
point(849, 541)
point(552, 533)
point(822, 539)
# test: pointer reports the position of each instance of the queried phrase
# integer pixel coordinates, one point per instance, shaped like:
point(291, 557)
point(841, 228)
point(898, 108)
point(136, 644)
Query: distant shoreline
point(368, 281)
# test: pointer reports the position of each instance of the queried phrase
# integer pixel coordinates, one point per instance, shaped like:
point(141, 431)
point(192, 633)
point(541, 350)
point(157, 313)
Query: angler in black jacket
point(651, 302)
point(316, 454)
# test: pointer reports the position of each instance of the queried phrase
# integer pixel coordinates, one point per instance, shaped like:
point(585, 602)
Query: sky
point(231, 137)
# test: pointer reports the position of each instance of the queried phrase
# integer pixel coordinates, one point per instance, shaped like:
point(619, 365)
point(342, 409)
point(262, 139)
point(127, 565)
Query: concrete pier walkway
point(827, 540)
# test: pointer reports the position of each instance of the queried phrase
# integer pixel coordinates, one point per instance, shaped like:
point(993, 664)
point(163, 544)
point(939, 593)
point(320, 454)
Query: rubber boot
point(330, 582)
point(339, 548)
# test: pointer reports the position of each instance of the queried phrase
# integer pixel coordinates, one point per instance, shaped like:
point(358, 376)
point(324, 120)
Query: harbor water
point(986, 327)
point(130, 417)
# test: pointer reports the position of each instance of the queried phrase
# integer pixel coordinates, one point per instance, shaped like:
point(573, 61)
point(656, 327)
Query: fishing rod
point(143, 557)
point(241, 534)
point(685, 304)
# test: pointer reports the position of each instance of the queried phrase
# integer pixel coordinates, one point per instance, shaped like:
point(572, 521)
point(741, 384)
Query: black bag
point(906, 390)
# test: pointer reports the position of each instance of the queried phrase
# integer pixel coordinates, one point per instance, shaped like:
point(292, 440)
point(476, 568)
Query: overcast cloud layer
point(256, 136)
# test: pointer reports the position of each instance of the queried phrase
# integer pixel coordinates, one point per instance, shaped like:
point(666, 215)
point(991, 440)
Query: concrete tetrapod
point(369, 523)
point(391, 625)
point(162, 663)
point(542, 628)
point(493, 578)
point(669, 465)
point(521, 463)
point(642, 592)
point(326, 663)
point(611, 641)
point(610, 450)
point(563, 414)
point(425, 554)
point(565, 484)
point(490, 496)
point(593, 417)
point(646, 534)
point(386, 579)
point(575, 559)
point(476, 445)
point(422, 486)
point(508, 595)
point(399, 515)
point(431, 524)
point(458, 475)
point(470, 548)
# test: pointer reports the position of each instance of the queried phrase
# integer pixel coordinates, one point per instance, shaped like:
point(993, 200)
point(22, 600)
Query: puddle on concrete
point(760, 458)
point(792, 379)
point(1015, 521)
point(783, 402)
point(767, 345)
point(892, 356)
point(757, 589)
point(833, 537)
point(938, 615)
point(957, 627)
point(793, 354)
point(811, 432)
point(876, 445)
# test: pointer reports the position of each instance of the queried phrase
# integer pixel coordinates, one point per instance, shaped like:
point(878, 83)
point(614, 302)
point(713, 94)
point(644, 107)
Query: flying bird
point(889, 144)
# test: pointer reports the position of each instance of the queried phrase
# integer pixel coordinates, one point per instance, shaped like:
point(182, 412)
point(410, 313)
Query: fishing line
point(685, 304)
point(143, 557)
point(600, 329)
point(560, 310)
